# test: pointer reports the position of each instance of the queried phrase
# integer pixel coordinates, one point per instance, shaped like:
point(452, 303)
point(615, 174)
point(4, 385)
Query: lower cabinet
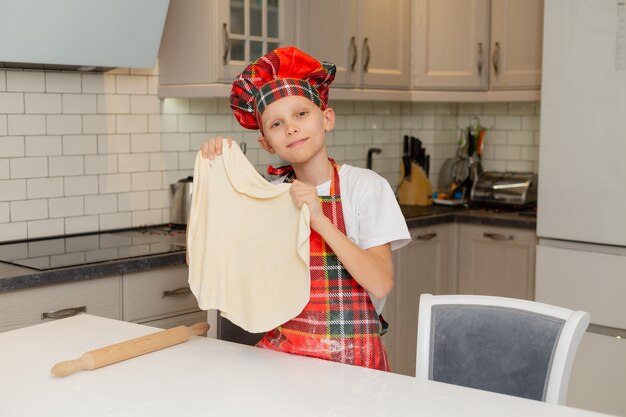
point(426, 265)
point(453, 258)
point(22, 308)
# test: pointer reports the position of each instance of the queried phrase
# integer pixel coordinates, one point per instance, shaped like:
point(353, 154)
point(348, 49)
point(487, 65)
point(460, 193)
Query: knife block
point(416, 191)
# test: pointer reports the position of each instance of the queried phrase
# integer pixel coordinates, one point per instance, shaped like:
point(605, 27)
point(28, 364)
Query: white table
point(208, 377)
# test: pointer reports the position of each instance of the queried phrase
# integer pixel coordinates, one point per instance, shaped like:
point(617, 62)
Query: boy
point(355, 219)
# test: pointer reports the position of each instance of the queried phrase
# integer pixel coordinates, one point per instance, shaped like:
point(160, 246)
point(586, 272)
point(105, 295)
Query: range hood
point(81, 34)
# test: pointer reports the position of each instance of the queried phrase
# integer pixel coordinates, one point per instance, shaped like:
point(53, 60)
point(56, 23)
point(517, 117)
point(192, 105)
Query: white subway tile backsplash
point(3, 80)
point(136, 162)
point(522, 108)
point(98, 84)
point(100, 164)
point(13, 231)
point(11, 190)
point(220, 123)
point(44, 187)
point(187, 160)
point(113, 144)
point(63, 82)
point(508, 152)
point(114, 183)
point(175, 106)
point(113, 103)
point(5, 212)
point(355, 122)
point(146, 217)
point(26, 81)
point(131, 84)
point(11, 103)
point(3, 125)
point(508, 123)
point(11, 147)
point(530, 153)
point(48, 227)
point(115, 221)
point(139, 200)
point(203, 106)
point(132, 123)
point(81, 185)
point(175, 142)
point(59, 166)
point(19, 124)
point(66, 207)
point(79, 103)
point(163, 161)
point(145, 142)
point(43, 145)
point(521, 137)
point(42, 103)
point(495, 108)
point(530, 123)
point(95, 124)
point(162, 123)
point(153, 85)
point(81, 224)
point(4, 169)
point(64, 124)
point(29, 167)
point(159, 199)
point(98, 204)
point(145, 104)
point(80, 145)
point(29, 210)
point(520, 166)
point(146, 181)
point(191, 123)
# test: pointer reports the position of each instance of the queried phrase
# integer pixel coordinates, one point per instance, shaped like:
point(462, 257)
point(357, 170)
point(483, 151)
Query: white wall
point(85, 152)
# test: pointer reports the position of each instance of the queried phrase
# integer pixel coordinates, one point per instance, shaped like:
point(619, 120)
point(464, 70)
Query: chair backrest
point(506, 345)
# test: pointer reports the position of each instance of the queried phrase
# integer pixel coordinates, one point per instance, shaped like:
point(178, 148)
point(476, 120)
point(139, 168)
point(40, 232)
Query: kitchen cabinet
point(100, 297)
point(207, 43)
point(426, 265)
point(367, 40)
point(477, 44)
point(496, 261)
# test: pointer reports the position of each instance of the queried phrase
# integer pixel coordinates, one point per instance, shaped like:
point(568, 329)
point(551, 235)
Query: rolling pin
point(98, 358)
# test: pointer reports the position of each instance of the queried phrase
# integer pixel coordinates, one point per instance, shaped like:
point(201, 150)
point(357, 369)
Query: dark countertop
point(14, 277)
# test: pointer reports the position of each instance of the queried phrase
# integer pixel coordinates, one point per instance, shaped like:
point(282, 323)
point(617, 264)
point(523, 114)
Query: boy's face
point(294, 128)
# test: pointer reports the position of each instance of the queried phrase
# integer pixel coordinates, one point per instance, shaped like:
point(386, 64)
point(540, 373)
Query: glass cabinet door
point(254, 29)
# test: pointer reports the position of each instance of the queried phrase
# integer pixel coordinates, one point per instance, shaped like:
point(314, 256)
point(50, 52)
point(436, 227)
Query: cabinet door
point(423, 266)
point(451, 44)
point(385, 43)
point(516, 44)
point(496, 261)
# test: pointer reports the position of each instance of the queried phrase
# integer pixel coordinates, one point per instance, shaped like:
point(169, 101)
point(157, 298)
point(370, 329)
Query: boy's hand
point(213, 147)
point(307, 194)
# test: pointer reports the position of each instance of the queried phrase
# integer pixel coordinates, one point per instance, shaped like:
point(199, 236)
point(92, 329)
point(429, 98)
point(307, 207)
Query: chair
point(505, 345)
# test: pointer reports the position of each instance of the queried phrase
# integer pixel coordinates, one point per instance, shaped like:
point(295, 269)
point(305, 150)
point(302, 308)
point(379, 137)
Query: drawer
point(588, 281)
point(100, 297)
point(157, 293)
point(188, 319)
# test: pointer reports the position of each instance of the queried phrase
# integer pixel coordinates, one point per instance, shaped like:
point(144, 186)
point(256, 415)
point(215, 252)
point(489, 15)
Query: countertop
point(15, 277)
point(214, 377)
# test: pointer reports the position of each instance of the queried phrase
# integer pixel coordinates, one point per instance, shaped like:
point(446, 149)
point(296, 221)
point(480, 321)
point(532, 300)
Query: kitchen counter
point(214, 377)
point(14, 277)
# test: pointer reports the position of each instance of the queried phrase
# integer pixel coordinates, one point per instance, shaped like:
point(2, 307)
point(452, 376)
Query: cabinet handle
point(66, 312)
point(480, 58)
point(355, 53)
point(496, 58)
point(178, 292)
point(497, 236)
point(366, 48)
point(226, 44)
point(427, 236)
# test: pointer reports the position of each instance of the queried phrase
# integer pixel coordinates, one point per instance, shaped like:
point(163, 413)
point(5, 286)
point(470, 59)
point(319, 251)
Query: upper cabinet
point(367, 40)
point(211, 41)
point(477, 44)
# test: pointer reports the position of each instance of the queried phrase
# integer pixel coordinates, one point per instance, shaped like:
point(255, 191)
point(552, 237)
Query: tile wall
point(85, 152)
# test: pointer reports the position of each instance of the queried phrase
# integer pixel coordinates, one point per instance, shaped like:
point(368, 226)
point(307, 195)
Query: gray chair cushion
point(496, 349)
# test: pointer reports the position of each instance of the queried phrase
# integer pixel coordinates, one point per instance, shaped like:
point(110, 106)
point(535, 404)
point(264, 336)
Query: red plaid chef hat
point(281, 73)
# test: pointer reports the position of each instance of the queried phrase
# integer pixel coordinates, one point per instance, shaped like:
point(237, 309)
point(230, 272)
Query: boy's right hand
point(213, 147)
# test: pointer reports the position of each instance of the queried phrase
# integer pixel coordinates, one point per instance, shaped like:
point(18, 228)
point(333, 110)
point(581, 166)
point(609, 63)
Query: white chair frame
point(576, 323)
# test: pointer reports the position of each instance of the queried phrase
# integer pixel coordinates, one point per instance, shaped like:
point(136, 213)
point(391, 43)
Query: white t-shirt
point(370, 211)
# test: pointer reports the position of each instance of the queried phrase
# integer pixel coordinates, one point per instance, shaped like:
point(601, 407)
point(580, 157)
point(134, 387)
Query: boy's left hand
point(302, 193)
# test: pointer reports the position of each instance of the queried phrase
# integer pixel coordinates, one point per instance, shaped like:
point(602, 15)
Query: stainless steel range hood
point(81, 34)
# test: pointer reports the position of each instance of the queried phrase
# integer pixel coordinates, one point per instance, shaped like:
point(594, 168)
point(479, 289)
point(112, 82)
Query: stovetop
point(72, 250)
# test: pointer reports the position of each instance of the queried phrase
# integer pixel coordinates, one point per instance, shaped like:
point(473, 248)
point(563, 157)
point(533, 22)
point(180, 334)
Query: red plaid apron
point(339, 323)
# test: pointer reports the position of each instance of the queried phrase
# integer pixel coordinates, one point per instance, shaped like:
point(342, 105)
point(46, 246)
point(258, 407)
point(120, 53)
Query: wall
point(83, 152)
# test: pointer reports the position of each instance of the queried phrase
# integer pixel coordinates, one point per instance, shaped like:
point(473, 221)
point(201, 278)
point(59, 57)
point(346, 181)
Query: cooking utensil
point(446, 175)
point(129, 349)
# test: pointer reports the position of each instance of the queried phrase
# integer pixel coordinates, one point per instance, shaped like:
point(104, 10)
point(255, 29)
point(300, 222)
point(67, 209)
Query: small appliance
point(180, 201)
point(506, 189)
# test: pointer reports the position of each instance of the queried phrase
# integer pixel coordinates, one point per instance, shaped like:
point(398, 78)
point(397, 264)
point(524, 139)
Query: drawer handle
point(427, 236)
point(66, 312)
point(178, 292)
point(497, 236)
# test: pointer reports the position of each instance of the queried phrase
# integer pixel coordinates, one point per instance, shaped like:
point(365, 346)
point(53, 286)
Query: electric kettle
point(180, 200)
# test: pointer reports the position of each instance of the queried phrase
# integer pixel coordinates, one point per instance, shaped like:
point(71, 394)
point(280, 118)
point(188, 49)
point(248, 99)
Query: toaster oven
point(510, 189)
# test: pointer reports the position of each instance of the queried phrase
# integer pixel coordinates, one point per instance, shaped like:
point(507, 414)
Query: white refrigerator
point(581, 223)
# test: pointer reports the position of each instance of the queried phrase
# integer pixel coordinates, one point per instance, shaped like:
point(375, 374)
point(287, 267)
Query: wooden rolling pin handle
point(129, 349)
